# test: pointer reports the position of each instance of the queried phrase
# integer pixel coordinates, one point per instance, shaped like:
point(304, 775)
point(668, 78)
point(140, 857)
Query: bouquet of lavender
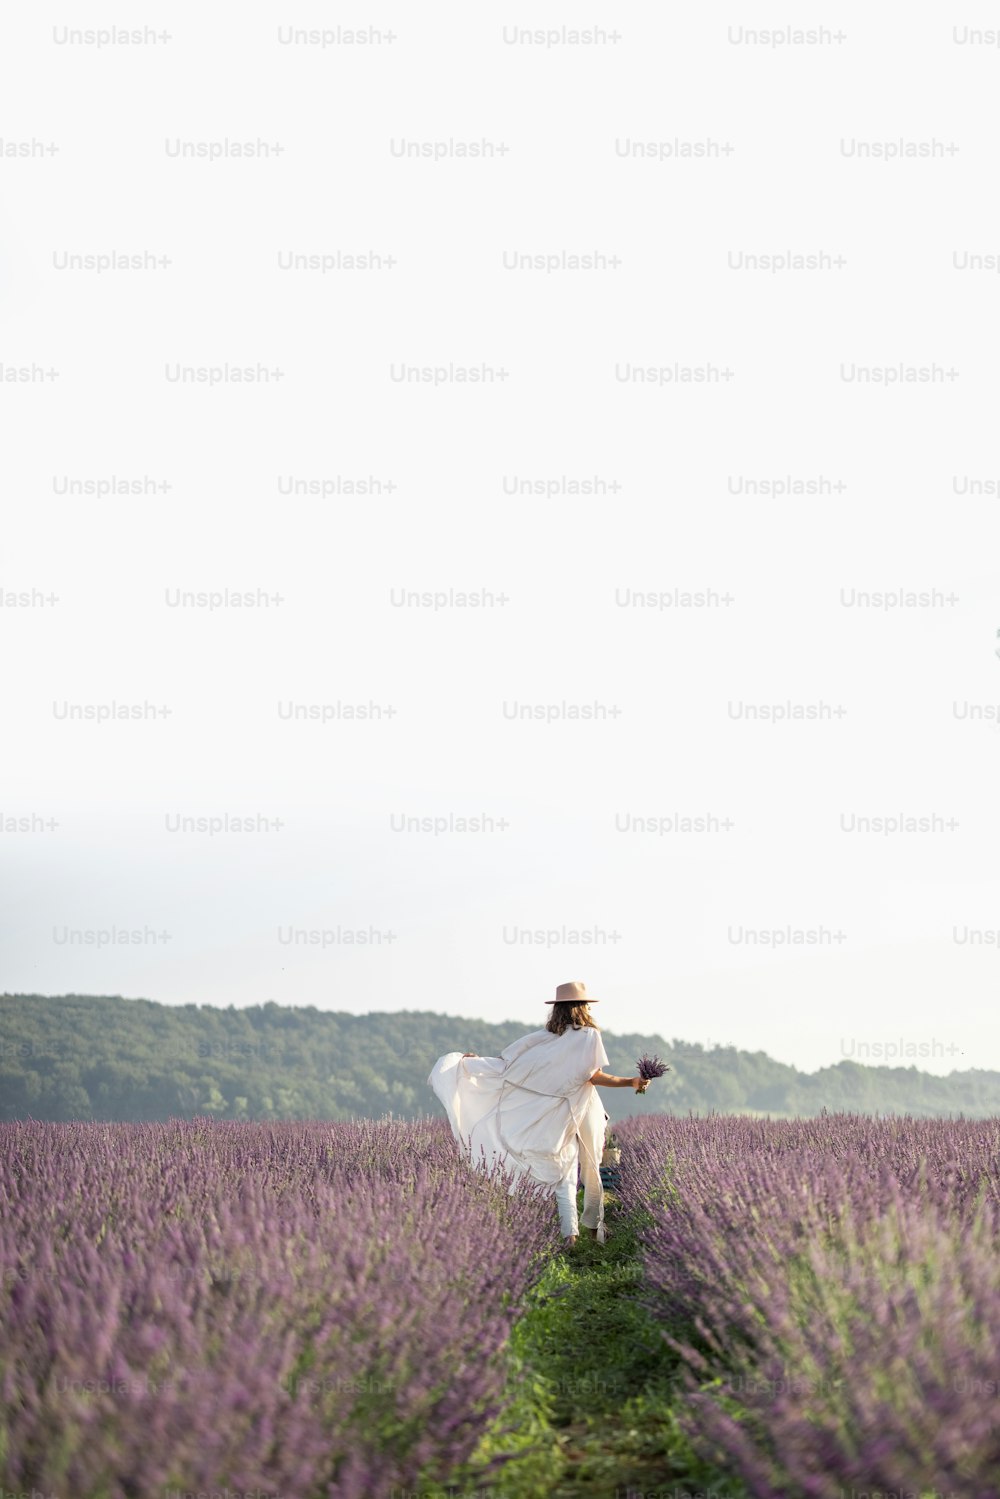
point(649, 1067)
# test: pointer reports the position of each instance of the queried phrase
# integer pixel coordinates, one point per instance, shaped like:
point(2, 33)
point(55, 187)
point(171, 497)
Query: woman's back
point(559, 1065)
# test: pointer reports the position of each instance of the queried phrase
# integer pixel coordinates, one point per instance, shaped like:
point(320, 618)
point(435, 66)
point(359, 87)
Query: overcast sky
point(785, 922)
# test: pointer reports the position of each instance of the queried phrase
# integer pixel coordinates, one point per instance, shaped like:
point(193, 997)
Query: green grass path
point(594, 1389)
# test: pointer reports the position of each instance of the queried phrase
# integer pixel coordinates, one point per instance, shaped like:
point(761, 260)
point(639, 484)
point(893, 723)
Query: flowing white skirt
point(536, 1134)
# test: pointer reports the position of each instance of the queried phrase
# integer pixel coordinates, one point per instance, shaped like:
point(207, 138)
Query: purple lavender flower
point(303, 1309)
point(831, 1288)
point(650, 1067)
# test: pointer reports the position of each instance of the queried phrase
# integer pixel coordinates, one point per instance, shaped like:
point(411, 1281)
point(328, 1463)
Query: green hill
point(88, 1057)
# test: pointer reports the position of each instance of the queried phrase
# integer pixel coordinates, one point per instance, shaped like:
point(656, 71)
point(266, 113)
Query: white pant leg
point(566, 1203)
point(593, 1192)
point(591, 1138)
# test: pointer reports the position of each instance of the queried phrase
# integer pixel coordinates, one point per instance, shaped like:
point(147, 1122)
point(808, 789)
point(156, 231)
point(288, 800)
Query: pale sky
point(908, 694)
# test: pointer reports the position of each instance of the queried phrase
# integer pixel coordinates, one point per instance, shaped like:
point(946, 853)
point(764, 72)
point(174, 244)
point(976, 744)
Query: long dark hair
point(565, 1015)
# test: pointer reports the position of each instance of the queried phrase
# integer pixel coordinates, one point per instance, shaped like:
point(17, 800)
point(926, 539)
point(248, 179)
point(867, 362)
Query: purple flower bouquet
point(649, 1067)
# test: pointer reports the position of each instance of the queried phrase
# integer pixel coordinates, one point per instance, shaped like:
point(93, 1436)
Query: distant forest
point(85, 1057)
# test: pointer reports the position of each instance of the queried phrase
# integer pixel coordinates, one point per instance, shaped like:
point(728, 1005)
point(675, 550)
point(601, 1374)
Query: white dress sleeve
point(522, 1044)
point(590, 1055)
point(482, 1066)
point(602, 1056)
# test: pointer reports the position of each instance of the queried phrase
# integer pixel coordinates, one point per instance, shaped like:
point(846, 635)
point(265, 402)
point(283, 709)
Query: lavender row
point(298, 1310)
point(832, 1290)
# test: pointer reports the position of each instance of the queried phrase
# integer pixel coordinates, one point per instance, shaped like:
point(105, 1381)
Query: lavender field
point(310, 1311)
point(839, 1283)
point(281, 1309)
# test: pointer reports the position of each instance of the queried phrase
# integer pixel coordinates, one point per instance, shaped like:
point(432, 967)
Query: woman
point(535, 1106)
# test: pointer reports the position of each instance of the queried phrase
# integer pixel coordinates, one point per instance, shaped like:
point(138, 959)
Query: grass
point(593, 1390)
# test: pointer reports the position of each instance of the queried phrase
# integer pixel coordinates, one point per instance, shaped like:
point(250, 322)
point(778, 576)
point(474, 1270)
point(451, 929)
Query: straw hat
point(572, 994)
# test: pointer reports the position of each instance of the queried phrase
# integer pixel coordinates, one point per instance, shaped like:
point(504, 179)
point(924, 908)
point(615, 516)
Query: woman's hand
point(640, 1084)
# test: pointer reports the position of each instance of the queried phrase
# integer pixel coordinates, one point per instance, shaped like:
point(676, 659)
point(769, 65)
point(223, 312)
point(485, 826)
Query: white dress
point(533, 1107)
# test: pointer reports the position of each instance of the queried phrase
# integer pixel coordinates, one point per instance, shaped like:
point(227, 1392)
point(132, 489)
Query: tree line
point(74, 1056)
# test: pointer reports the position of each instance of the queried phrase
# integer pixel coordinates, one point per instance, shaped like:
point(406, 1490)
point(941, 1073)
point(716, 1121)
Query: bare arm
point(607, 1080)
